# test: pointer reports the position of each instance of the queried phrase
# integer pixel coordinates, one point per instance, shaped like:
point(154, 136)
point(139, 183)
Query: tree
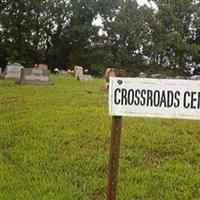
point(172, 33)
point(15, 32)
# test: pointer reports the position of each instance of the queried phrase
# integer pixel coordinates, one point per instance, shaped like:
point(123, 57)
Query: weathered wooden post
point(114, 157)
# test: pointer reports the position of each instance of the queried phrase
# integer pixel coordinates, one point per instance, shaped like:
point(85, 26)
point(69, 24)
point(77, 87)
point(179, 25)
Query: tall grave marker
point(160, 98)
point(78, 71)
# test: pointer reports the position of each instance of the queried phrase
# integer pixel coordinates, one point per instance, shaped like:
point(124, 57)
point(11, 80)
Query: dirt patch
point(13, 99)
point(6, 147)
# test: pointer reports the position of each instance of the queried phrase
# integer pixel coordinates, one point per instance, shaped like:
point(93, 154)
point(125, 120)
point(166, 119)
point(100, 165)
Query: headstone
point(142, 75)
point(169, 77)
point(179, 77)
point(35, 76)
point(71, 72)
point(41, 66)
point(56, 70)
point(195, 77)
point(158, 76)
point(12, 71)
point(78, 71)
point(112, 72)
point(64, 73)
point(85, 77)
point(86, 71)
point(0, 70)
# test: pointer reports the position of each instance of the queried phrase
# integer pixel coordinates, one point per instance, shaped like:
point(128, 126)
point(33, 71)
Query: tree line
point(62, 33)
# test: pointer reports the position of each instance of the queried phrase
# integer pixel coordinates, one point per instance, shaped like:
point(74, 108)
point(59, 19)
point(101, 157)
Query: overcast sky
point(98, 21)
point(142, 1)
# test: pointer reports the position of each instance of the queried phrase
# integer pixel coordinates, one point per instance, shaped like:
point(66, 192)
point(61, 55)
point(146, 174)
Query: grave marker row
point(27, 75)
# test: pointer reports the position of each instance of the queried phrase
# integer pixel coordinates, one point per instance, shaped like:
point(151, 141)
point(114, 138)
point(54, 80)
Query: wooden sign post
point(142, 97)
point(114, 157)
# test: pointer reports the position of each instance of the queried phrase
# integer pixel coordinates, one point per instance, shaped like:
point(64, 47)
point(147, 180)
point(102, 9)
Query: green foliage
point(174, 28)
point(55, 140)
point(61, 33)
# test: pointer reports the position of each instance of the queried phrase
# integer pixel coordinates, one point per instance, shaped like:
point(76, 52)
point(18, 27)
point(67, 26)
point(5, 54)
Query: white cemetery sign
point(142, 97)
point(160, 98)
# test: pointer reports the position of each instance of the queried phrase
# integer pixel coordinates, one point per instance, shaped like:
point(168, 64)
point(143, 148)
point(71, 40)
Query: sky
point(98, 21)
point(142, 1)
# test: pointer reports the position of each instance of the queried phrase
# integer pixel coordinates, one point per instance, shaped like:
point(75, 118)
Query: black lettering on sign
point(149, 98)
point(193, 100)
point(198, 100)
point(124, 97)
point(170, 96)
point(156, 98)
point(117, 101)
point(137, 96)
point(163, 100)
point(130, 97)
point(177, 99)
point(143, 99)
point(185, 100)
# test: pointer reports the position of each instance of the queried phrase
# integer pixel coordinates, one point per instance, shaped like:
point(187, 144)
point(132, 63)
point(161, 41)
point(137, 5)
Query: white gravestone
point(195, 77)
point(158, 76)
point(142, 75)
point(12, 71)
point(78, 71)
point(85, 77)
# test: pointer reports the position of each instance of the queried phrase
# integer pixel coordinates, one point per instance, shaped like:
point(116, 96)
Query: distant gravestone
point(158, 76)
point(195, 77)
point(169, 77)
point(78, 71)
point(179, 77)
point(56, 71)
point(12, 71)
point(35, 76)
point(112, 72)
point(142, 75)
point(71, 72)
point(41, 66)
point(64, 73)
point(85, 77)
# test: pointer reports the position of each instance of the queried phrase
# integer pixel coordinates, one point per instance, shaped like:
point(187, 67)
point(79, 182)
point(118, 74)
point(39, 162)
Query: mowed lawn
point(55, 140)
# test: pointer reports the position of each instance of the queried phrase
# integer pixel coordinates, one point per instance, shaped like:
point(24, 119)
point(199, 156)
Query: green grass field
point(55, 140)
